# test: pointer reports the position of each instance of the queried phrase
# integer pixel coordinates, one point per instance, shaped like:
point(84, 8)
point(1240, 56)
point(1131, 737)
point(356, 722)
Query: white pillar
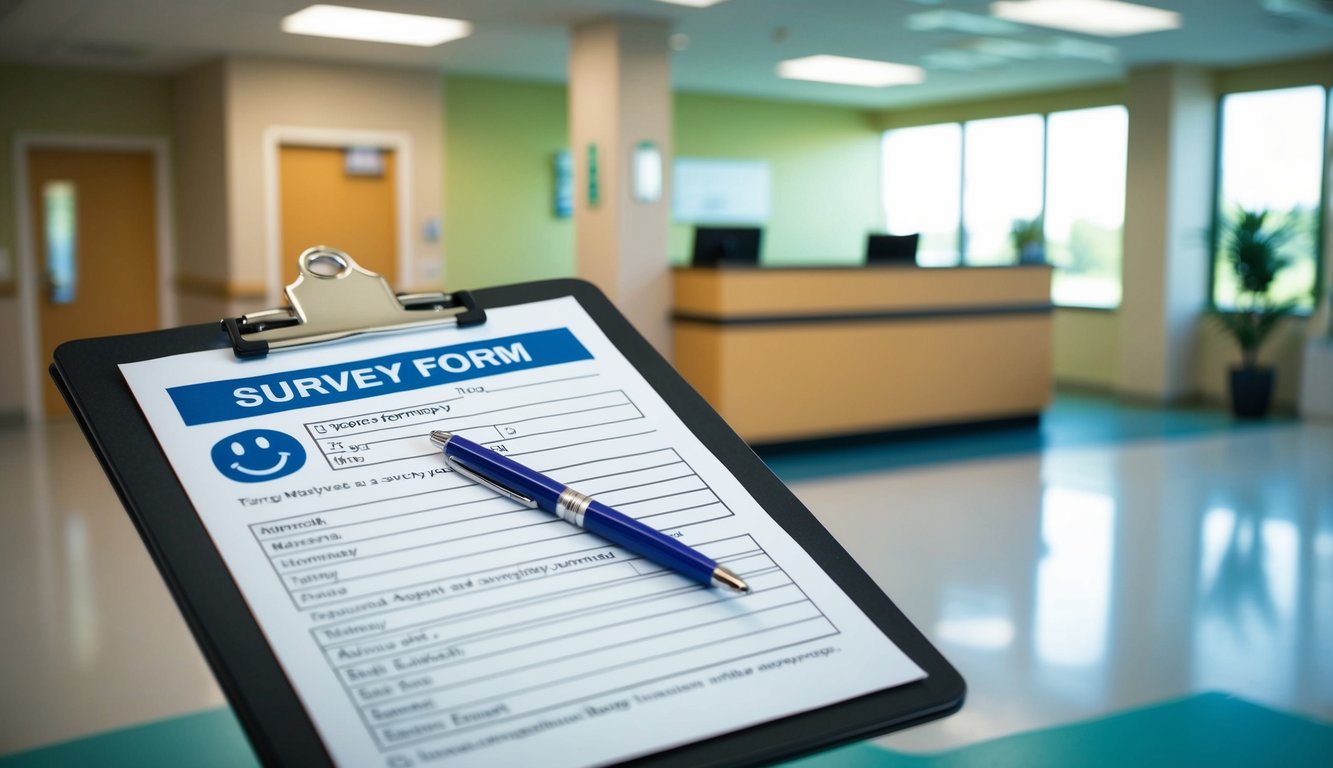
point(620, 98)
point(1168, 212)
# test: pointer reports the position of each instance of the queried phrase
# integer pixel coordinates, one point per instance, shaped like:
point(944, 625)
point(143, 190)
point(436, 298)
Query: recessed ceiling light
point(963, 61)
point(959, 21)
point(846, 71)
point(1108, 18)
point(693, 3)
point(376, 26)
point(1074, 48)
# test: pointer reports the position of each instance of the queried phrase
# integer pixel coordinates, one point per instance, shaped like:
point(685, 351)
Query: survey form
point(423, 619)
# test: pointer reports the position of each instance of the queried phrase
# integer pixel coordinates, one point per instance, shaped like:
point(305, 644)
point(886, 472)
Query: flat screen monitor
point(891, 249)
point(725, 245)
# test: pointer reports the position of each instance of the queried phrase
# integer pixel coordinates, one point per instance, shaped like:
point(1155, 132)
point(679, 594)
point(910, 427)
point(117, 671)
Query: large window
point(1085, 204)
point(1271, 159)
point(931, 157)
point(1002, 172)
point(967, 187)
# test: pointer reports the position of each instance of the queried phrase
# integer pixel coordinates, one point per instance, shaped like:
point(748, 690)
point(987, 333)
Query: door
point(323, 204)
point(95, 245)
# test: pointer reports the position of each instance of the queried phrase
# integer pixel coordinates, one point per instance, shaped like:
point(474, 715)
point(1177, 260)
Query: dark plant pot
point(1251, 392)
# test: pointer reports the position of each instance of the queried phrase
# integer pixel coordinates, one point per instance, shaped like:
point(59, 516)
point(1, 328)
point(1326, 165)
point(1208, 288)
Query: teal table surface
point(1213, 729)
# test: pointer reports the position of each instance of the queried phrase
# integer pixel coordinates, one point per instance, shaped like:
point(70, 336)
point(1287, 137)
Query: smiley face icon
point(256, 455)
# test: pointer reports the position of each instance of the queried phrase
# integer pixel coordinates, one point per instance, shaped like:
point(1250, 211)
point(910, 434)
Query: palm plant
point(1251, 246)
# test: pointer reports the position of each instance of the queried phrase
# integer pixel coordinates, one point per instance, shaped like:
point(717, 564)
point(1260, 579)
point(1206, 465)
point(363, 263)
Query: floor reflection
point(1073, 590)
point(92, 639)
point(1084, 580)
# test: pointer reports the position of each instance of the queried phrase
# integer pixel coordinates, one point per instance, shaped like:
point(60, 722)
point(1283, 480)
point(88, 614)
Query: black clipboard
point(246, 668)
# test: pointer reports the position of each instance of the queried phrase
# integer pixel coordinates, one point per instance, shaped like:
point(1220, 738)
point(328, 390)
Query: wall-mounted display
point(721, 191)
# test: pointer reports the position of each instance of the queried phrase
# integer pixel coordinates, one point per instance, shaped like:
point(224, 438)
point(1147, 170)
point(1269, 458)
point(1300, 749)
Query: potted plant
point(1251, 243)
point(1029, 238)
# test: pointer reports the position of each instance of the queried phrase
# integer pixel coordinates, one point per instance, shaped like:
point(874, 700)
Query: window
point(923, 170)
point(1271, 159)
point(61, 217)
point(1085, 204)
point(964, 187)
point(1002, 175)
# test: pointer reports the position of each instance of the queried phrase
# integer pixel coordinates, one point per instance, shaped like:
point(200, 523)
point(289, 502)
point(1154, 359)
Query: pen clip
point(488, 483)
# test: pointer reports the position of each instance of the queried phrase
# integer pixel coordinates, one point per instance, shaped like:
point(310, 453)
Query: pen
point(535, 490)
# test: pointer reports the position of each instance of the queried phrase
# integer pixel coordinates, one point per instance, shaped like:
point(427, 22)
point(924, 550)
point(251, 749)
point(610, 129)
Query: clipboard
point(264, 700)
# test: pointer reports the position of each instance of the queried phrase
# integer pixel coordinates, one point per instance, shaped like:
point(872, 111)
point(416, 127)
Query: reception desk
point(804, 353)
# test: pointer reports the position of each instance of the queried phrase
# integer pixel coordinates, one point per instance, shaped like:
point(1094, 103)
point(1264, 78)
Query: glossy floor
point(1078, 581)
point(1116, 557)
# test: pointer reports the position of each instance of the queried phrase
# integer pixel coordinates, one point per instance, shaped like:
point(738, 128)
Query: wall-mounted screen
point(720, 191)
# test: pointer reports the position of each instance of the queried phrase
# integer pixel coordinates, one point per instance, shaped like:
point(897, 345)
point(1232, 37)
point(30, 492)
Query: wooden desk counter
point(800, 353)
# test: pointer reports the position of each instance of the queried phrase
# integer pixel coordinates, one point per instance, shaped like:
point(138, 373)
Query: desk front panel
point(793, 354)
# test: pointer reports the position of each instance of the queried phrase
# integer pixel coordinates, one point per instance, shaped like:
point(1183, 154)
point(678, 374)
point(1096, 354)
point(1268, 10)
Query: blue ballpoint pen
point(535, 490)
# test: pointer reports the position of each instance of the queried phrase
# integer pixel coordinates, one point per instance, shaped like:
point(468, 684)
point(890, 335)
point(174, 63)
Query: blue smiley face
point(256, 455)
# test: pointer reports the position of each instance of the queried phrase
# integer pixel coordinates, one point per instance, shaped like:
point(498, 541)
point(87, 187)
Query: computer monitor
point(891, 249)
point(725, 245)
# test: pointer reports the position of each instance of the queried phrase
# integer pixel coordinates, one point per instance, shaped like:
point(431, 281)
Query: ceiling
point(732, 48)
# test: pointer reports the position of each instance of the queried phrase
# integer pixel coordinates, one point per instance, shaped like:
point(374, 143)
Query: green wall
point(825, 172)
point(500, 139)
point(36, 100)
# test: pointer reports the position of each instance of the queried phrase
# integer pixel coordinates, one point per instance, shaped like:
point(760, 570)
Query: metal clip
point(334, 298)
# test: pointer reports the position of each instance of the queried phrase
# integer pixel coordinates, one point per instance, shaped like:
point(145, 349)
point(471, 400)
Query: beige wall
point(619, 96)
point(1216, 352)
point(262, 96)
point(202, 218)
point(1086, 348)
point(1168, 212)
point(1022, 104)
point(1087, 353)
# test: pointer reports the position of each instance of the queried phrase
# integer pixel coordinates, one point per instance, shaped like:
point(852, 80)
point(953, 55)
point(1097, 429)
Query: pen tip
point(722, 577)
point(439, 438)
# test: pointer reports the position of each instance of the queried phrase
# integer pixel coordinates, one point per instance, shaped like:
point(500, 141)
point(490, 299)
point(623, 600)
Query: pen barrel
point(504, 470)
point(648, 542)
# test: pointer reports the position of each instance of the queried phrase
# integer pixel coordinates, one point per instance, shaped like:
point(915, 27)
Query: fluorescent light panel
point(1108, 18)
point(375, 26)
point(847, 71)
point(959, 21)
point(693, 3)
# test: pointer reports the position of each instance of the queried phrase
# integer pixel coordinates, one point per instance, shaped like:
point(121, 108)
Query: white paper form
point(424, 620)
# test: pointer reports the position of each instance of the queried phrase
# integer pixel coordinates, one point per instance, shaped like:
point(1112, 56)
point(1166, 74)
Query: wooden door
point(321, 204)
point(109, 200)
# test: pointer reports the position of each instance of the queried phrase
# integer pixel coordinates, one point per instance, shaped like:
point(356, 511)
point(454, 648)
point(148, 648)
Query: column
point(1168, 213)
point(620, 99)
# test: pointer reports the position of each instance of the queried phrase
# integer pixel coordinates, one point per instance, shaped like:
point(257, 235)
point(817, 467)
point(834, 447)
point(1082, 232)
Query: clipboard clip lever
point(335, 298)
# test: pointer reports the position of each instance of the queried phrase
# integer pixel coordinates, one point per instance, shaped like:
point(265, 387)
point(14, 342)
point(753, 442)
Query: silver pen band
point(572, 505)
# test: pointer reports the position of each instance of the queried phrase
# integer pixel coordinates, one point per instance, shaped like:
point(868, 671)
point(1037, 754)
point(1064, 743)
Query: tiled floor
point(1116, 557)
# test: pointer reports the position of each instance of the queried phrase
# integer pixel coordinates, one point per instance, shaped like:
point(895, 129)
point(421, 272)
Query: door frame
point(28, 277)
point(276, 136)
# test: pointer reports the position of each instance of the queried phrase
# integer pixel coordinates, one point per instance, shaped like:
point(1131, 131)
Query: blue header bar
point(255, 396)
